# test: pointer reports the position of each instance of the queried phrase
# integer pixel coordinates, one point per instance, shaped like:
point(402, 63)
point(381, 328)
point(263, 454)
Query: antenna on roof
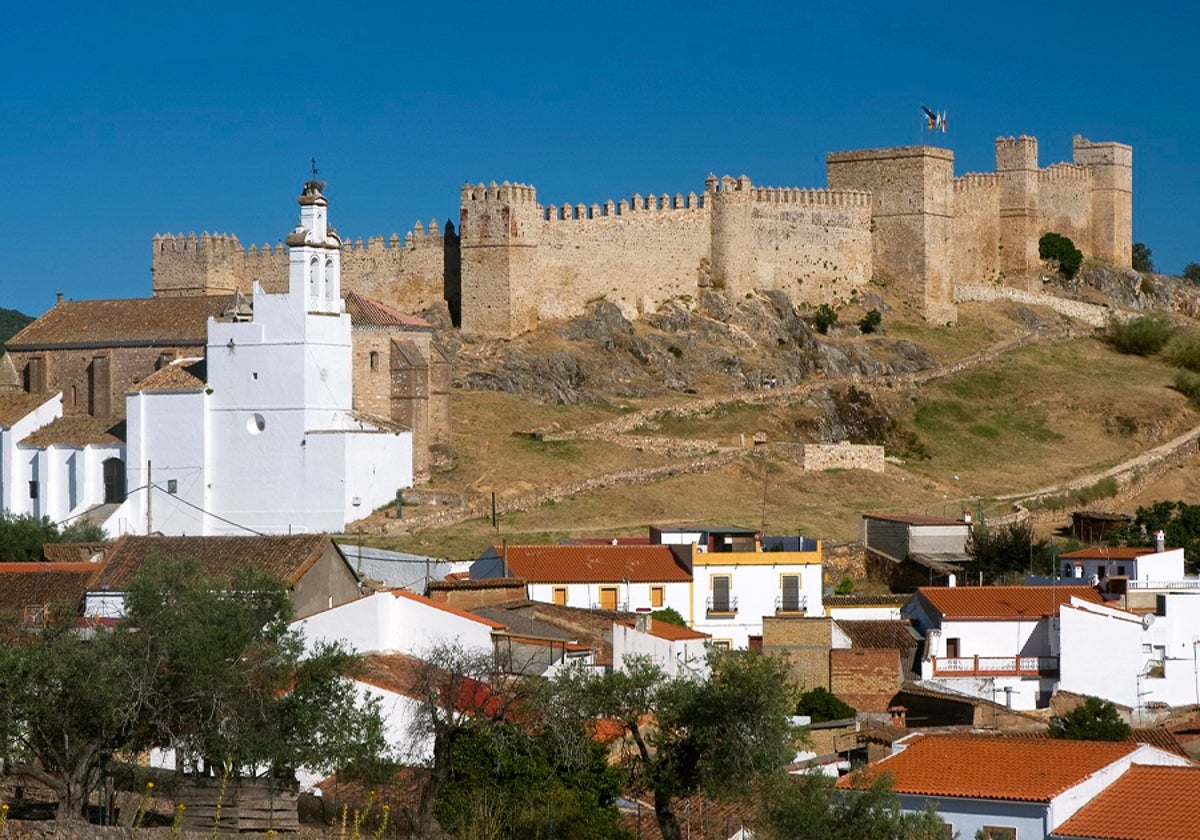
point(314, 168)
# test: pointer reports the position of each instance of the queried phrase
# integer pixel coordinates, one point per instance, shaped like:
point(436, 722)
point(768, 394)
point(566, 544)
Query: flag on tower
point(935, 120)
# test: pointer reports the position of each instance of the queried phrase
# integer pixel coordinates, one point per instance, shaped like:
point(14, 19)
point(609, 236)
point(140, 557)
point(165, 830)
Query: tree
point(684, 734)
point(22, 537)
point(822, 705)
point(1191, 272)
point(1007, 549)
point(1178, 520)
point(1141, 258)
point(204, 665)
point(669, 615)
point(824, 318)
point(1092, 720)
point(870, 322)
point(1060, 249)
point(808, 807)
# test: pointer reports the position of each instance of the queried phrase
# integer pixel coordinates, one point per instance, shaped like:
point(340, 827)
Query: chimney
point(967, 516)
point(642, 622)
point(1160, 541)
point(58, 296)
point(899, 716)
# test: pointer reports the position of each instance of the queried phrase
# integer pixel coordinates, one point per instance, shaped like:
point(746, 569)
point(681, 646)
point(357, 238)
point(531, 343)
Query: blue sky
point(127, 119)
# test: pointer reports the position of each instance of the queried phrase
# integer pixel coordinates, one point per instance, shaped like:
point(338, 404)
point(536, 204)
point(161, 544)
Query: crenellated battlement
point(812, 198)
point(513, 193)
point(1064, 172)
point(976, 181)
point(635, 204)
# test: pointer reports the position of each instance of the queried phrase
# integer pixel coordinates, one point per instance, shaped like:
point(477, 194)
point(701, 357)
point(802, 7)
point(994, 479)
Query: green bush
point(1191, 272)
point(845, 587)
point(669, 615)
point(1141, 336)
point(1141, 258)
point(1183, 350)
point(1055, 246)
point(821, 705)
point(1188, 384)
point(870, 322)
point(824, 318)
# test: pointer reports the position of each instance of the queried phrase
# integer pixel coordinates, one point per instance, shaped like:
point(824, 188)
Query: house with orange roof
point(999, 643)
point(621, 578)
point(677, 650)
point(1007, 788)
point(1141, 566)
point(1148, 802)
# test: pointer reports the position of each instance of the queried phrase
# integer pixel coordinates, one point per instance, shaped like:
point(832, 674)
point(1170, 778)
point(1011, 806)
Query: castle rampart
point(896, 215)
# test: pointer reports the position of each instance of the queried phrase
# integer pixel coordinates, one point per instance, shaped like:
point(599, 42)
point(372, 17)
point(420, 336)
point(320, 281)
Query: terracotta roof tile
point(981, 767)
point(1146, 803)
point(367, 312)
point(288, 557)
point(123, 323)
point(444, 607)
point(180, 375)
point(39, 585)
point(895, 635)
point(76, 430)
point(81, 552)
point(670, 632)
point(16, 405)
point(594, 563)
point(884, 600)
point(393, 672)
point(1004, 602)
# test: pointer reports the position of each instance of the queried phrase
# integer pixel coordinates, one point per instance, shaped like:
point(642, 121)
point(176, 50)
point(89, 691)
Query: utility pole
point(149, 499)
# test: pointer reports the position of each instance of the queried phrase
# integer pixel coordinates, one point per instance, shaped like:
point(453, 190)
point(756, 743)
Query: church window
point(255, 424)
point(374, 360)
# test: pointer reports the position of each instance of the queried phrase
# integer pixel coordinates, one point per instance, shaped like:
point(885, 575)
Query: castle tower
point(911, 206)
point(732, 233)
point(499, 227)
point(195, 265)
point(1017, 168)
point(1111, 165)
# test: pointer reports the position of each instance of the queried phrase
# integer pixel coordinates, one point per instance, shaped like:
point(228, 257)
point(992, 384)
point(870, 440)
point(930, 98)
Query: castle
point(897, 216)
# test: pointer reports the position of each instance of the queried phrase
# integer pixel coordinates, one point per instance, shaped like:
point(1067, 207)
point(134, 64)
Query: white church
point(258, 436)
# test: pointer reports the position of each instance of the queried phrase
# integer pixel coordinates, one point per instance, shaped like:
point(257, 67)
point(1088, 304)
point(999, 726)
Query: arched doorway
point(114, 480)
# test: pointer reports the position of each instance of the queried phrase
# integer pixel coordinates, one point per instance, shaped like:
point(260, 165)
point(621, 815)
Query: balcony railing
point(791, 603)
point(728, 604)
point(1191, 583)
point(620, 606)
point(995, 666)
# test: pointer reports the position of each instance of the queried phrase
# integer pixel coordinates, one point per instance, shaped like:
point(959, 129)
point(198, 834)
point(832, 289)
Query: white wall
point(685, 656)
point(630, 596)
point(15, 472)
point(755, 581)
point(1101, 652)
point(168, 432)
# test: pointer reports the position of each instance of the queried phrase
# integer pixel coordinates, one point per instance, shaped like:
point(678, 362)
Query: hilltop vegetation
point(11, 323)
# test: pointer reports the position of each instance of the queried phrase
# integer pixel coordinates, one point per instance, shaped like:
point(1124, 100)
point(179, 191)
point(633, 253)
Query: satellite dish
point(1147, 620)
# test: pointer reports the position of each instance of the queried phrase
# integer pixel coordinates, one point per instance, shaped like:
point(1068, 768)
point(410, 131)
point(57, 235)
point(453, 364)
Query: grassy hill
point(11, 322)
point(1028, 410)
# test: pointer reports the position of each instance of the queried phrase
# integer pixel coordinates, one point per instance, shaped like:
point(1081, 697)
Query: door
point(608, 597)
point(114, 481)
point(790, 594)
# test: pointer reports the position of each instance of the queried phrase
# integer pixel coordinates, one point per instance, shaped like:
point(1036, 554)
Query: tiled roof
point(670, 632)
point(912, 519)
point(393, 672)
point(80, 552)
point(76, 430)
point(1159, 737)
point(123, 323)
point(1004, 602)
point(39, 585)
point(895, 635)
point(372, 313)
point(1107, 552)
point(180, 375)
point(454, 582)
point(14, 406)
point(384, 424)
point(444, 607)
point(1148, 802)
point(885, 600)
point(698, 815)
point(594, 563)
point(982, 767)
point(288, 557)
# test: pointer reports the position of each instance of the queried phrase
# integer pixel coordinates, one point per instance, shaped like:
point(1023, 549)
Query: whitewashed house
point(739, 577)
point(679, 651)
point(1008, 788)
point(1133, 659)
point(999, 643)
point(1158, 567)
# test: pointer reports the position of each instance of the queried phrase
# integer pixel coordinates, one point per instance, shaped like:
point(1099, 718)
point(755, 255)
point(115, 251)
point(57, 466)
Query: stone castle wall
point(895, 215)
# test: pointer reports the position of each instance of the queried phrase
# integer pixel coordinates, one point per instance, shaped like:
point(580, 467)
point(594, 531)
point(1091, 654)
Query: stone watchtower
point(499, 230)
point(1111, 165)
point(911, 207)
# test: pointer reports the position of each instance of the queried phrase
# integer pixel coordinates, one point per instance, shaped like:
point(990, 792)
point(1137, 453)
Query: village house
point(909, 550)
point(1009, 788)
point(1143, 567)
point(678, 651)
point(1148, 802)
point(999, 643)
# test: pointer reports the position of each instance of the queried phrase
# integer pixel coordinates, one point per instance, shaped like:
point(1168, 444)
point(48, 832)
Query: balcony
point(995, 666)
point(787, 604)
point(721, 605)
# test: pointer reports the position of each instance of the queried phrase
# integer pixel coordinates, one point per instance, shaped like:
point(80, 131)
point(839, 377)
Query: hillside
point(11, 323)
point(598, 426)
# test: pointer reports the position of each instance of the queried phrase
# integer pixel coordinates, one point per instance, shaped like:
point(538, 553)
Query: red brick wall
point(866, 678)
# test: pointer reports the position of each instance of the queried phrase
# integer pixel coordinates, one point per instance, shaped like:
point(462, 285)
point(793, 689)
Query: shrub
point(870, 322)
point(1191, 272)
point(1094, 720)
point(1183, 350)
point(1141, 258)
point(824, 318)
point(1188, 384)
point(1141, 336)
point(1055, 246)
point(669, 615)
point(821, 705)
point(845, 587)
